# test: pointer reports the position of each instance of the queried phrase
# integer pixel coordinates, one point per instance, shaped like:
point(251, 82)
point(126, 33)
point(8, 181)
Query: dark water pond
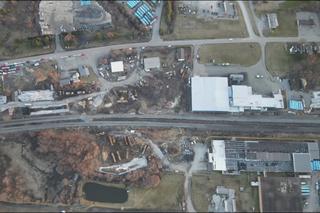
point(101, 193)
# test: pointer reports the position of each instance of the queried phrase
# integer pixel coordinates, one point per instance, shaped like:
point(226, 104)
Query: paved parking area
point(313, 199)
point(306, 30)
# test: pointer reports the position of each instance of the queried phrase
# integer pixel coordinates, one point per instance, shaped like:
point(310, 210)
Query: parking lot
point(311, 27)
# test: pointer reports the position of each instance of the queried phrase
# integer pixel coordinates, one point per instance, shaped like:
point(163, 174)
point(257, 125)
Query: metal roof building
point(151, 63)
point(272, 20)
point(210, 94)
point(213, 94)
point(301, 162)
point(117, 66)
point(218, 155)
point(243, 97)
point(36, 95)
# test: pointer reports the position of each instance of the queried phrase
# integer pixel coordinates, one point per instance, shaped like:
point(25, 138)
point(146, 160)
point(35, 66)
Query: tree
point(36, 42)
point(98, 36)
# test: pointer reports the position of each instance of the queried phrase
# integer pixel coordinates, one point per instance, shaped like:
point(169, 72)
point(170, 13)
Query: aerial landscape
point(151, 105)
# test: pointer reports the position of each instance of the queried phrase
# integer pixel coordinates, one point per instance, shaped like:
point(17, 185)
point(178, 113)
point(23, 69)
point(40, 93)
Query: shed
point(180, 54)
point(151, 63)
point(272, 20)
point(3, 99)
point(301, 162)
point(83, 71)
point(117, 66)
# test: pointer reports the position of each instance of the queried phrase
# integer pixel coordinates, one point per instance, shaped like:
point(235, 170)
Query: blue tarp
point(132, 3)
point(85, 2)
point(295, 105)
point(315, 165)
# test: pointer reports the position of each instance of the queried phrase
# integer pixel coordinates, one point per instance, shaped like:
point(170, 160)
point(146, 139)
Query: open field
point(245, 54)
point(203, 186)
point(190, 27)
point(16, 29)
point(278, 61)
point(166, 196)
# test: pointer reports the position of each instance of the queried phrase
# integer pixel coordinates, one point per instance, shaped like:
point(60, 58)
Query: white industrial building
point(151, 63)
point(213, 94)
point(38, 95)
point(117, 66)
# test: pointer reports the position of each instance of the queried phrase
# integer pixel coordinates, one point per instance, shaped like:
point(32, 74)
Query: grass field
point(165, 197)
point(287, 25)
point(278, 61)
point(245, 54)
point(190, 27)
point(203, 186)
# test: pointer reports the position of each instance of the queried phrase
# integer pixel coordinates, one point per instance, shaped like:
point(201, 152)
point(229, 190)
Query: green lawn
point(166, 197)
point(245, 54)
point(190, 27)
point(203, 186)
point(287, 25)
point(278, 60)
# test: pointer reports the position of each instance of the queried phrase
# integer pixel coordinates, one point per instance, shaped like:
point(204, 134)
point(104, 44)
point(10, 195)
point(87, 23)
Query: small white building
point(36, 95)
point(117, 66)
point(151, 63)
point(272, 19)
point(3, 99)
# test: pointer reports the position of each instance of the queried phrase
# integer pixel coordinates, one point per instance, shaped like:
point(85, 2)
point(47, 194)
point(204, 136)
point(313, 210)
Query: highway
point(221, 123)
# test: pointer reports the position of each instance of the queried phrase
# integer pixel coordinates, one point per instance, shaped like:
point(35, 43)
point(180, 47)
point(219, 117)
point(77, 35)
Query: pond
point(101, 193)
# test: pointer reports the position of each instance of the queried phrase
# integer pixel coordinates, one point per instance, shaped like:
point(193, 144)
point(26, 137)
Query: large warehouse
point(213, 94)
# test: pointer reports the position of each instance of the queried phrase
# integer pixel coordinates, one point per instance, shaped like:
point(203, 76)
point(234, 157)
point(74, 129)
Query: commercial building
point(213, 94)
point(117, 66)
point(36, 95)
point(254, 156)
point(151, 63)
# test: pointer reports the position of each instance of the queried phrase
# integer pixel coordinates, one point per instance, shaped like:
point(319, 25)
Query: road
point(223, 124)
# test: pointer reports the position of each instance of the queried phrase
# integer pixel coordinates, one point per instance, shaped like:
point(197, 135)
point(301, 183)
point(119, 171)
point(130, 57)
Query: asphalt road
point(224, 124)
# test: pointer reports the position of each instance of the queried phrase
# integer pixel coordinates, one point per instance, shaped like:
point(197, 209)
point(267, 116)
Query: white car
point(259, 76)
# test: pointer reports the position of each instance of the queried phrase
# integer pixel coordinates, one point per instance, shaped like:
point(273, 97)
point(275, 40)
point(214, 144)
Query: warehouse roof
point(36, 95)
point(150, 63)
point(218, 155)
point(117, 66)
point(301, 162)
point(242, 96)
point(210, 94)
